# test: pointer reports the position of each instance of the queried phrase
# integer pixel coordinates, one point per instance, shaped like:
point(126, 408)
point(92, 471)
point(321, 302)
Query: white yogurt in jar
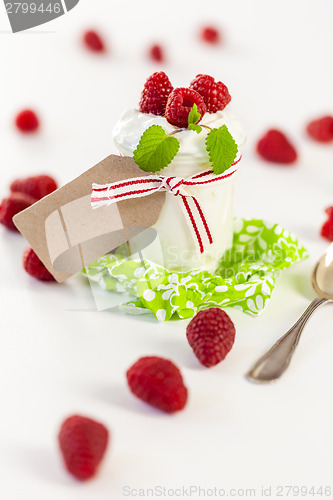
point(175, 248)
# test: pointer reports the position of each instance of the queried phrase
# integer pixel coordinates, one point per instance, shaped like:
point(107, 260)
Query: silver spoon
point(272, 364)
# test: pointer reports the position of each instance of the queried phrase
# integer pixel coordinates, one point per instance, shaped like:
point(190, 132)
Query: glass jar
point(175, 248)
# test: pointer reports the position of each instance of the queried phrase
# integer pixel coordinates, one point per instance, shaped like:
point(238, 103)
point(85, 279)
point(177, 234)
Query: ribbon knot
point(106, 194)
point(173, 185)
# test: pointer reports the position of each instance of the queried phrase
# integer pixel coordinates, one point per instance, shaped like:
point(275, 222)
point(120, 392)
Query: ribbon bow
point(106, 194)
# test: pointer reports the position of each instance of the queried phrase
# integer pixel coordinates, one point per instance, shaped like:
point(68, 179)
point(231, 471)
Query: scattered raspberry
point(274, 146)
point(327, 229)
point(179, 105)
point(37, 186)
point(83, 443)
point(35, 267)
point(211, 334)
point(15, 203)
point(27, 121)
point(211, 35)
point(322, 129)
point(158, 382)
point(93, 41)
point(215, 94)
point(156, 53)
point(155, 94)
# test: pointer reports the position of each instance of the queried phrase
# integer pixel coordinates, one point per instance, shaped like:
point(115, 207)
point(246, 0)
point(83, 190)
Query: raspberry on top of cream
point(163, 105)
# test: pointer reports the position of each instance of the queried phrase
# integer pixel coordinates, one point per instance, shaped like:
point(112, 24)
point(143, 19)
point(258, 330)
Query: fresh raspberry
point(27, 121)
point(35, 267)
point(327, 228)
point(15, 203)
point(37, 186)
point(321, 130)
point(155, 94)
point(93, 41)
point(211, 334)
point(215, 94)
point(275, 147)
point(156, 53)
point(179, 105)
point(158, 382)
point(211, 35)
point(83, 443)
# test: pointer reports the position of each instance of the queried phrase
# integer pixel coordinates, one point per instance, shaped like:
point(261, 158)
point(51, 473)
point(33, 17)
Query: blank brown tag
point(67, 234)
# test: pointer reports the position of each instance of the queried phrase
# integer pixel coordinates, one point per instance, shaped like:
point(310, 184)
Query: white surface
point(60, 356)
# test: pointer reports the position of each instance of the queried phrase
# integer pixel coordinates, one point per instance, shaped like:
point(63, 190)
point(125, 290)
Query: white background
point(58, 355)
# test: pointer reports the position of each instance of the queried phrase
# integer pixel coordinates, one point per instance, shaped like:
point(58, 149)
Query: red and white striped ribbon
point(106, 194)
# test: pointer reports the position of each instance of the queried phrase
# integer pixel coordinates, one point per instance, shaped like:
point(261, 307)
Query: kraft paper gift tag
point(67, 234)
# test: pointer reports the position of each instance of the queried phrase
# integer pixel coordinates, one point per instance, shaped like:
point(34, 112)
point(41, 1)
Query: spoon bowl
point(322, 276)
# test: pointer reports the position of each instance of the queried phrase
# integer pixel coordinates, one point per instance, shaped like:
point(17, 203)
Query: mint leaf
point(196, 128)
point(155, 149)
point(221, 148)
point(194, 116)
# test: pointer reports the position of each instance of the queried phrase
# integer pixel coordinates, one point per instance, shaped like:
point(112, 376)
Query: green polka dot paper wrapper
point(244, 279)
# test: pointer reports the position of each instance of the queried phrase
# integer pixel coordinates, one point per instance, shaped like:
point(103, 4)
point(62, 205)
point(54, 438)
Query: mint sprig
point(193, 118)
point(155, 150)
point(221, 148)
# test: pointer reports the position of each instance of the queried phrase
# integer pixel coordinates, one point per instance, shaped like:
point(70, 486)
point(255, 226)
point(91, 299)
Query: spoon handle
point(272, 364)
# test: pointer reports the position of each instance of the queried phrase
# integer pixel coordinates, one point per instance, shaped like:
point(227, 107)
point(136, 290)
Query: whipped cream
point(133, 123)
